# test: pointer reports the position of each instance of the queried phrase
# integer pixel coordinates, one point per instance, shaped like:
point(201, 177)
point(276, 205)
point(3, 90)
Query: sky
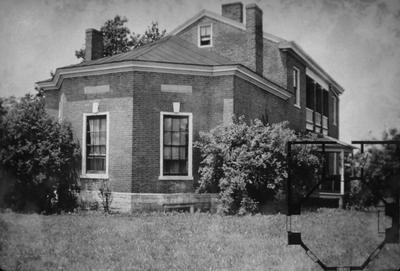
point(356, 41)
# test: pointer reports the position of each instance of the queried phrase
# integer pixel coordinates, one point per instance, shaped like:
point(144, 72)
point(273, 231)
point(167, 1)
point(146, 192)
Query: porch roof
point(338, 144)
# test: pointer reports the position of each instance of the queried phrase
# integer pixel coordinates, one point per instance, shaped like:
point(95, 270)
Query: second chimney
point(233, 11)
point(94, 44)
point(254, 33)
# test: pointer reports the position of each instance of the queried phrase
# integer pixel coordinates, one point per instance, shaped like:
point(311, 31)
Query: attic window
point(205, 35)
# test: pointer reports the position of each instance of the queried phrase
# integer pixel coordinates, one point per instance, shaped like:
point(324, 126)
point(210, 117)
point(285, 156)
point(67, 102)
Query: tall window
point(318, 92)
point(334, 106)
point(205, 35)
point(325, 103)
point(296, 85)
point(96, 144)
point(175, 145)
point(310, 93)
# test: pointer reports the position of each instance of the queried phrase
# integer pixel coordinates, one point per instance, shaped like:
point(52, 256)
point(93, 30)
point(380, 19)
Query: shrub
point(246, 164)
point(105, 194)
point(41, 153)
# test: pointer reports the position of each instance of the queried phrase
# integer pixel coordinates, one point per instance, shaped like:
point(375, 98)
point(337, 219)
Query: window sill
point(204, 46)
point(94, 176)
point(177, 178)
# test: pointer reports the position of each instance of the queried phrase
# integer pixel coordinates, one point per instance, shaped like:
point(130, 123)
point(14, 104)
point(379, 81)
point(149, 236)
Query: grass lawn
point(92, 241)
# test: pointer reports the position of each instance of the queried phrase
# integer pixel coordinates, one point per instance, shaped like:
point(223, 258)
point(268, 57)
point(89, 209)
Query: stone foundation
point(135, 202)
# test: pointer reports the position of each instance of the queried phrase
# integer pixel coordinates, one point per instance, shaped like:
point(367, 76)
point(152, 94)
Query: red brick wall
point(254, 34)
point(274, 63)
point(51, 98)
point(206, 105)
point(233, 11)
point(118, 102)
point(254, 102)
point(297, 116)
point(227, 40)
point(277, 65)
point(134, 103)
point(231, 42)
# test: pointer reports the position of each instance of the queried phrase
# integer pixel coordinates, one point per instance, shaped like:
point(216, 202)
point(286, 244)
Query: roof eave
point(132, 65)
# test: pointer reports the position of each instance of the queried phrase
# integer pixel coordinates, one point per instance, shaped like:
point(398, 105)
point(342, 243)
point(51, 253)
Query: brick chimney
point(254, 33)
point(94, 44)
point(233, 11)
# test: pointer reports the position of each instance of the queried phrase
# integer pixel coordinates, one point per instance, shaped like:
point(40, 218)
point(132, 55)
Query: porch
point(336, 153)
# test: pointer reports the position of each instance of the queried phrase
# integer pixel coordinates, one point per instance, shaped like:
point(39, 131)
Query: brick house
point(137, 114)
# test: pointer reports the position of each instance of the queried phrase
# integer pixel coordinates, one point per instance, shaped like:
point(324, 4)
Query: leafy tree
point(246, 164)
point(117, 38)
point(152, 34)
point(381, 165)
point(41, 154)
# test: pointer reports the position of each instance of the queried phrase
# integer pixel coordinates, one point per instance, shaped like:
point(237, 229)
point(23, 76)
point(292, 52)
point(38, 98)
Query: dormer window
point(205, 35)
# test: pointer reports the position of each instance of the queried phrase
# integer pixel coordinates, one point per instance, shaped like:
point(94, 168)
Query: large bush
point(247, 164)
point(41, 153)
point(381, 165)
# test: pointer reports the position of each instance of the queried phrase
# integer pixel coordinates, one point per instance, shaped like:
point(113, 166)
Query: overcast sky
point(357, 42)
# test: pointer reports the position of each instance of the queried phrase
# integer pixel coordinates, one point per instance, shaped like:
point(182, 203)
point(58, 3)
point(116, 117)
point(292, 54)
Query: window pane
point(175, 153)
point(175, 139)
point(167, 153)
point(96, 123)
point(103, 126)
point(205, 30)
point(171, 167)
point(208, 30)
point(205, 42)
point(183, 139)
point(102, 138)
point(167, 138)
point(167, 124)
point(183, 168)
point(175, 124)
point(184, 124)
point(202, 31)
point(182, 153)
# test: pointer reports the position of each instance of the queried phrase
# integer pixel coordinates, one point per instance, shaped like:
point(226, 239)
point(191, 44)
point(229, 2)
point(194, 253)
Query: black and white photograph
point(209, 135)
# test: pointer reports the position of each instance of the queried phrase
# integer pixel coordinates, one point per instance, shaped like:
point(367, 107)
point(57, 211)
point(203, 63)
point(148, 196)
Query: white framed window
point(205, 35)
point(176, 146)
point(334, 106)
point(95, 145)
point(61, 105)
point(296, 86)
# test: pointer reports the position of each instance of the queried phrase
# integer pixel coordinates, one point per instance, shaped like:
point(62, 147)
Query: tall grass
point(201, 241)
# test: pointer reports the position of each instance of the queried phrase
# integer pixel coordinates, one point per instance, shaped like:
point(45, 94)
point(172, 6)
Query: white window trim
point(334, 105)
point(211, 35)
point(84, 133)
point(297, 94)
point(190, 147)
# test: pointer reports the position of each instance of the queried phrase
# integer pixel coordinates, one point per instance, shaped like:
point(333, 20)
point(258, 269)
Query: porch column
point(341, 178)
